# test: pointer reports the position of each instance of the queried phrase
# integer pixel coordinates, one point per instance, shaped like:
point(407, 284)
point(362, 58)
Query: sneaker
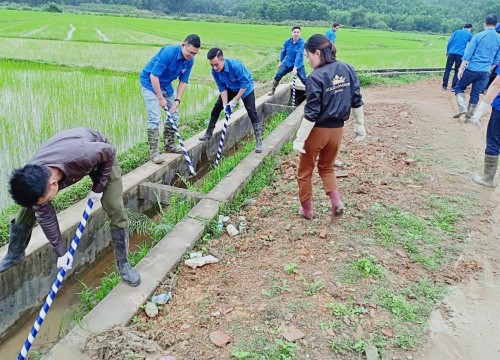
point(452, 89)
point(444, 88)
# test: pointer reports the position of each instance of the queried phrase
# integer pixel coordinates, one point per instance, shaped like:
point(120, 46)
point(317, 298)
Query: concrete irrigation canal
point(23, 288)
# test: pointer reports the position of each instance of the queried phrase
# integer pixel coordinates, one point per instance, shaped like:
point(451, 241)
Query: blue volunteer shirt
point(458, 42)
point(496, 101)
point(234, 77)
point(292, 53)
point(330, 34)
point(483, 50)
point(168, 64)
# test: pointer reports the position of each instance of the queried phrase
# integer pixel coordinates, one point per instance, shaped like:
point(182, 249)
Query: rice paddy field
point(65, 70)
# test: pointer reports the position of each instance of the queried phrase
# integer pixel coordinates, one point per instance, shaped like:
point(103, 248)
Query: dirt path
point(414, 170)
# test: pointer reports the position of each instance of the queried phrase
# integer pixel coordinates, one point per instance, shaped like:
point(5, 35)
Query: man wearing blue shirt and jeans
point(234, 82)
point(480, 55)
point(170, 63)
point(291, 59)
point(331, 33)
point(454, 52)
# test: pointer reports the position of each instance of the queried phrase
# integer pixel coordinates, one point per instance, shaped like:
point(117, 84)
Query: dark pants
point(248, 101)
point(452, 59)
point(493, 134)
point(284, 69)
point(478, 79)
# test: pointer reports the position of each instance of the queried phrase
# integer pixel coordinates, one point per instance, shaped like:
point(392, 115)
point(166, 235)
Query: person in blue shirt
point(170, 63)
point(482, 52)
point(234, 82)
point(331, 33)
point(492, 150)
point(454, 52)
point(493, 71)
point(291, 59)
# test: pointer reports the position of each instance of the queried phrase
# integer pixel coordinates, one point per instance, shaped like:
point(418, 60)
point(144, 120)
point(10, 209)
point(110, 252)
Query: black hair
point(213, 52)
point(335, 25)
point(29, 183)
point(491, 20)
point(194, 40)
point(324, 45)
point(468, 26)
point(296, 27)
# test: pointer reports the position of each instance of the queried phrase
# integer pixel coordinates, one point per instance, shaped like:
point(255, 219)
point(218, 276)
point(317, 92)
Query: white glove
point(94, 196)
point(65, 261)
point(305, 129)
point(232, 104)
point(480, 109)
point(359, 124)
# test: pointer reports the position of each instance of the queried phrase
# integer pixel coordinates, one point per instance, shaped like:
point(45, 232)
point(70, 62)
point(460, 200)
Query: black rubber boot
point(153, 138)
point(19, 238)
point(120, 242)
point(257, 130)
point(210, 130)
point(168, 134)
point(490, 170)
point(273, 90)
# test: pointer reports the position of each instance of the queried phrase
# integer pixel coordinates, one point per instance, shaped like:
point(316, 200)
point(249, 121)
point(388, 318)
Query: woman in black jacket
point(332, 90)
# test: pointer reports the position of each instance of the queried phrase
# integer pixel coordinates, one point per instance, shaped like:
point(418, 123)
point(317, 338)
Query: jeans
point(153, 108)
point(248, 101)
point(478, 80)
point(452, 59)
point(493, 134)
point(283, 70)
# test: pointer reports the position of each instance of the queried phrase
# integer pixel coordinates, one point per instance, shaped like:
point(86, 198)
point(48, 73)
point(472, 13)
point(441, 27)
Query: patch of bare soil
point(412, 226)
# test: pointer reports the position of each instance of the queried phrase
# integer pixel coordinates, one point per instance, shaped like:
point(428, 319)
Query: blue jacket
point(234, 76)
point(292, 53)
point(483, 50)
point(168, 64)
point(496, 101)
point(458, 41)
point(330, 34)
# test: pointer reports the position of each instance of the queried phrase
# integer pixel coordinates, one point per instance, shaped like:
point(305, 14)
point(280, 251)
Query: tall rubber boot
point(210, 130)
point(19, 238)
point(470, 111)
point(306, 210)
point(168, 134)
point(462, 109)
point(153, 139)
point(337, 204)
point(257, 130)
point(273, 90)
point(120, 242)
point(490, 169)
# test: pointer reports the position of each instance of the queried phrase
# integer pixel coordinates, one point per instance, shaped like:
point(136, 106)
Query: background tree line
point(438, 16)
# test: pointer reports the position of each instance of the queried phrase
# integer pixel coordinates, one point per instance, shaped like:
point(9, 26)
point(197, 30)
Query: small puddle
point(59, 319)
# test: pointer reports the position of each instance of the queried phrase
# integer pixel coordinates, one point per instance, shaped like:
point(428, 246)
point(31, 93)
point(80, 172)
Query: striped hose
point(56, 285)
point(222, 137)
point(293, 89)
point(184, 150)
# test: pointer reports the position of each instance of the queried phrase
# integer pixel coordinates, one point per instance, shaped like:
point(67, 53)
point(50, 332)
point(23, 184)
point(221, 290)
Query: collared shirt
point(234, 76)
point(496, 101)
point(76, 152)
point(483, 50)
point(458, 41)
point(168, 64)
point(330, 34)
point(292, 53)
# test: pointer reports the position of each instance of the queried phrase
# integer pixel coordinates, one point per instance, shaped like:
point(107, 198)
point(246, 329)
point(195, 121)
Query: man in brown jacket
point(63, 160)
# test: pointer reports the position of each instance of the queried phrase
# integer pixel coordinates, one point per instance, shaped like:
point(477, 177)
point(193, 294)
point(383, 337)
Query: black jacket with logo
point(331, 91)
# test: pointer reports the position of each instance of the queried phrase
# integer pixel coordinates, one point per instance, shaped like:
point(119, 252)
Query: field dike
point(23, 288)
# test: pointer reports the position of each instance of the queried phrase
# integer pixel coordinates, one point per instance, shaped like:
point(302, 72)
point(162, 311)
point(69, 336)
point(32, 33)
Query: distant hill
point(438, 16)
